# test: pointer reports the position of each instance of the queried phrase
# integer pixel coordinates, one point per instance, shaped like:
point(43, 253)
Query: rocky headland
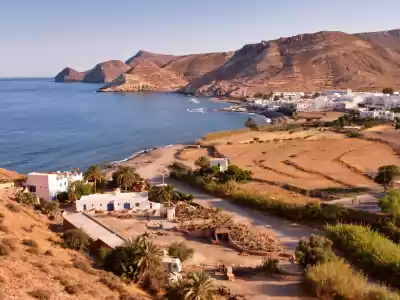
point(306, 62)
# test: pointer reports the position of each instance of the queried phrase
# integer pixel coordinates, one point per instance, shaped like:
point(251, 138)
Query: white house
point(48, 185)
point(116, 201)
point(222, 163)
point(379, 114)
point(381, 101)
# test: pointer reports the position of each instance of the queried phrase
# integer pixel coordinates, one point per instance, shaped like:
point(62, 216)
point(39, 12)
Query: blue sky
point(39, 38)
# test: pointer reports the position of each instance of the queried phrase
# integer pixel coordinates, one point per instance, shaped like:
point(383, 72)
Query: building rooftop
point(117, 196)
point(94, 229)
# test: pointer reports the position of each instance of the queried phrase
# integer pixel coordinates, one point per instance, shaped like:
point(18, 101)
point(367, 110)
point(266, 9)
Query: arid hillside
point(35, 266)
point(146, 76)
point(105, 71)
point(305, 62)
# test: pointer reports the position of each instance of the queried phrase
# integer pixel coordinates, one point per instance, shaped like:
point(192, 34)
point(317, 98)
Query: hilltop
point(35, 266)
point(306, 62)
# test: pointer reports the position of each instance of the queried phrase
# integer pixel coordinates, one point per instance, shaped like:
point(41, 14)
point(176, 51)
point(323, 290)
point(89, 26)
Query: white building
point(379, 114)
point(222, 163)
point(116, 201)
point(381, 101)
point(47, 185)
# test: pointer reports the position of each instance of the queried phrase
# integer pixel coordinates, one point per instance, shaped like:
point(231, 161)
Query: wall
point(41, 182)
point(115, 202)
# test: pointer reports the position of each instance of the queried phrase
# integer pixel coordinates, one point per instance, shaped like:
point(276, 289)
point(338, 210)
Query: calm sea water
point(48, 126)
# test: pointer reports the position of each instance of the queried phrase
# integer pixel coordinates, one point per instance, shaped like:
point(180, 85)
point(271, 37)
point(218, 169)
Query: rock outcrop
point(158, 59)
point(69, 75)
point(105, 71)
point(146, 76)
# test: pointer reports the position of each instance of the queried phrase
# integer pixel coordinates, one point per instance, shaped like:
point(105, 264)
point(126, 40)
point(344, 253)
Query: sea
point(49, 126)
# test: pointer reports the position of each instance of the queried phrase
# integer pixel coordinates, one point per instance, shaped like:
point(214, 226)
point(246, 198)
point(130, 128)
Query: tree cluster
point(251, 124)
point(313, 250)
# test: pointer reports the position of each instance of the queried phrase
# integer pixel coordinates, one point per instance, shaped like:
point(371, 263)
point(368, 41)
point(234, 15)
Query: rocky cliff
point(306, 62)
point(68, 75)
point(146, 76)
point(105, 71)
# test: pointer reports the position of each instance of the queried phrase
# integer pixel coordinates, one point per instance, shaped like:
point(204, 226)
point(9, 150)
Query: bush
point(374, 253)
point(84, 266)
point(313, 250)
point(49, 208)
point(235, 173)
point(41, 294)
point(353, 134)
point(102, 255)
point(75, 239)
point(270, 265)
point(12, 207)
point(63, 197)
point(30, 243)
point(25, 198)
point(336, 280)
point(181, 251)
point(4, 250)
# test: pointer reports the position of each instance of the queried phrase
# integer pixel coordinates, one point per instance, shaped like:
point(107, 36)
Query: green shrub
point(270, 265)
point(336, 280)
point(181, 251)
point(75, 239)
point(375, 254)
point(235, 173)
point(63, 197)
point(49, 208)
point(313, 250)
point(25, 198)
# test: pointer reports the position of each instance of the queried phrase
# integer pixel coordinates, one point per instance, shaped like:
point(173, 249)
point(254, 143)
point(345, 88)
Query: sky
point(39, 38)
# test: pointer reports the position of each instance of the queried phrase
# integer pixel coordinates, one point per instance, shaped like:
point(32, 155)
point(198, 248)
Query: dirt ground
point(29, 268)
point(391, 136)
point(328, 116)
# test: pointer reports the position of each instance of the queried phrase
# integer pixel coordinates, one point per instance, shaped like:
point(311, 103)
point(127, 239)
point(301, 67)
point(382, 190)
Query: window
point(65, 183)
point(137, 204)
point(151, 205)
point(32, 188)
point(101, 204)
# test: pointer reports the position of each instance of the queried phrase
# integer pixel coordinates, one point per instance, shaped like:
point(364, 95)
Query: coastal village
point(255, 212)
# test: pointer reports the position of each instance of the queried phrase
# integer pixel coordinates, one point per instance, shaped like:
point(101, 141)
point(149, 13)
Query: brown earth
point(68, 75)
point(35, 264)
point(8, 175)
point(146, 76)
point(158, 59)
point(105, 71)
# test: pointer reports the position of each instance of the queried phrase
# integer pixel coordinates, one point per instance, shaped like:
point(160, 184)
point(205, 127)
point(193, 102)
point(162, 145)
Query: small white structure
point(222, 163)
point(379, 114)
point(48, 185)
point(116, 201)
point(172, 265)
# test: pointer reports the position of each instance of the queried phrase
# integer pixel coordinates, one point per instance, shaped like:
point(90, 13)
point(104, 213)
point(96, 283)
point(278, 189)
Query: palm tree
point(125, 175)
point(166, 194)
point(202, 162)
point(141, 257)
point(197, 286)
point(94, 174)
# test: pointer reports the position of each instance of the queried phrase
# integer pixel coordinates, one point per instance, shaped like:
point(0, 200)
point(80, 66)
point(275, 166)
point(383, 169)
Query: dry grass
point(4, 250)
point(4, 228)
point(83, 265)
point(13, 207)
point(12, 243)
point(41, 294)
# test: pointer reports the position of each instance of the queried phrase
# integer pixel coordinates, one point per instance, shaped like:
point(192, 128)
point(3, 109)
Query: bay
point(48, 126)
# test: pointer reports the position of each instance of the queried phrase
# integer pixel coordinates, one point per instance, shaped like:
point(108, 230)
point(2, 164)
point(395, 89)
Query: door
point(84, 207)
point(127, 205)
point(110, 206)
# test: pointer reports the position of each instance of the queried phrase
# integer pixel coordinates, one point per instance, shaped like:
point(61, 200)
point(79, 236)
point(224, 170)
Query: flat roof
point(142, 196)
point(94, 229)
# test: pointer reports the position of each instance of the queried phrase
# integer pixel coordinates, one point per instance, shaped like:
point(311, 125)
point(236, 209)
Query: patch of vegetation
point(84, 266)
point(75, 239)
point(386, 175)
point(125, 176)
point(196, 286)
point(251, 124)
point(77, 189)
point(4, 250)
point(49, 208)
point(4, 228)
point(33, 246)
point(25, 198)
point(336, 280)
point(270, 265)
point(390, 203)
point(353, 134)
point(49, 252)
point(41, 294)
point(181, 251)
point(235, 173)
point(12, 207)
point(364, 246)
point(314, 250)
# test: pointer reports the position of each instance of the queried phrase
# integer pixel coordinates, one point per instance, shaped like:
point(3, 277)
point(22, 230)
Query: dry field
point(38, 267)
point(324, 160)
point(384, 134)
point(328, 116)
point(247, 137)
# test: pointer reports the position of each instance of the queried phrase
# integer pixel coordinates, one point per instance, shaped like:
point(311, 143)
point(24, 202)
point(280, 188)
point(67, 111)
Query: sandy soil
point(328, 116)
point(22, 272)
point(391, 136)
point(313, 164)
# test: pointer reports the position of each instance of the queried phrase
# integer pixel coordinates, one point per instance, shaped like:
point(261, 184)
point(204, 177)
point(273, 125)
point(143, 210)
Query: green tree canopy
point(77, 189)
point(390, 203)
point(313, 250)
point(125, 176)
point(94, 174)
point(251, 124)
point(197, 286)
point(181, 251)
point(386, 175)
point(202, 162)
point(161, 193)
point(388, 90)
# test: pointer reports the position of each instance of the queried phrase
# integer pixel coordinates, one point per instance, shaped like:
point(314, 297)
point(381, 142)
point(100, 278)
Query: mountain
point(68, 75)
point(158, 59)
point(306, 62)
point(105, 71)
point(146, 76)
